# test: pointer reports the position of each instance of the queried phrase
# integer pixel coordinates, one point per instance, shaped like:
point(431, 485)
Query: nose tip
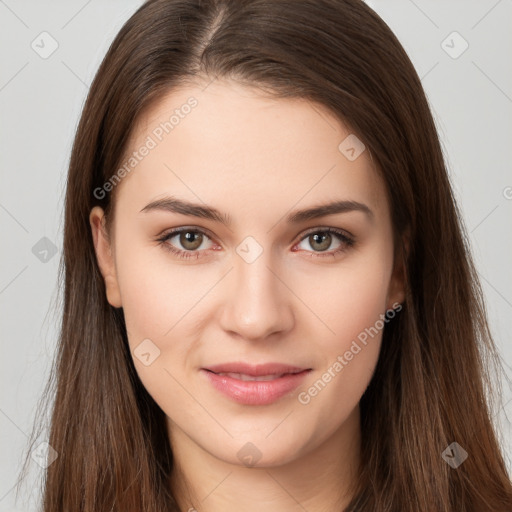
point(256, 303)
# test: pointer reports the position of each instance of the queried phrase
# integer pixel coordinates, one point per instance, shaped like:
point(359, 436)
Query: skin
point(256, 159)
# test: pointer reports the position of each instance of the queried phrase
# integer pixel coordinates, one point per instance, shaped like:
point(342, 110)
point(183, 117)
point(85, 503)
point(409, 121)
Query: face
point(253, 273)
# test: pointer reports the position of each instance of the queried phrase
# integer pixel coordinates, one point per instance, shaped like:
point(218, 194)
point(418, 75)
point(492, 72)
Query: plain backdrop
point(49, 54)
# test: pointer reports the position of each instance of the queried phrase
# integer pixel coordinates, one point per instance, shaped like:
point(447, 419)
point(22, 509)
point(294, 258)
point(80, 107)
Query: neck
point(320, 480)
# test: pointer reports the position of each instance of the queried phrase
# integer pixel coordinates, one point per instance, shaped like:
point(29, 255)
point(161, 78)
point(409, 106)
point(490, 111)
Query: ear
point(104, 256)
point(396, 290)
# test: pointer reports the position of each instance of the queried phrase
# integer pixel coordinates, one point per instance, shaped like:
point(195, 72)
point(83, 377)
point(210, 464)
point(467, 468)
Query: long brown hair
point(110, 435)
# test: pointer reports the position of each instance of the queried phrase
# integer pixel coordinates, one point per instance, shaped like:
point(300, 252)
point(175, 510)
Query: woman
point(266, 277)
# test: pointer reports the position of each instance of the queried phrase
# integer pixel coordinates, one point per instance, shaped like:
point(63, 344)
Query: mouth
point(253, 378)
point(255, 385)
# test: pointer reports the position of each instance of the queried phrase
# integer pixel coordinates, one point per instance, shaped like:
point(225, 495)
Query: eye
point(321, 240)
point(190, 242)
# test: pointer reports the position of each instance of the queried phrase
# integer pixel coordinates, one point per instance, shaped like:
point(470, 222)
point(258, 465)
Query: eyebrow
point(174, 205)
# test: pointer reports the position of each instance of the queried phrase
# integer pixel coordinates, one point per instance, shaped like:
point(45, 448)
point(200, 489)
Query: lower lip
point(256, 392)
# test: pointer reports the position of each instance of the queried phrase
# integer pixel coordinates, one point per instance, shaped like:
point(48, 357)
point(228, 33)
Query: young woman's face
point(257, 282)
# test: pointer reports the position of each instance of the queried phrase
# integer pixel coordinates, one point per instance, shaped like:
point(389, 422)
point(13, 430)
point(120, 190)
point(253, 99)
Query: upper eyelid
point(176, 231)
point(328, 228)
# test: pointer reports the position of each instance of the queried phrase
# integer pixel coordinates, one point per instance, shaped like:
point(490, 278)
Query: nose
point(257, 303)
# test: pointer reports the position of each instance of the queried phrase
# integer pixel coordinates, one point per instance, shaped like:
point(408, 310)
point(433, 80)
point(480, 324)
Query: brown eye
point(328, 240)
point(186, 242)
point(190, 240)
point(321, 242)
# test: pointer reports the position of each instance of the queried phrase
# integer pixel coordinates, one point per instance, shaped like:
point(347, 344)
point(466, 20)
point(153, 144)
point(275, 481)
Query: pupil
point(189, 237)
point(321, 239)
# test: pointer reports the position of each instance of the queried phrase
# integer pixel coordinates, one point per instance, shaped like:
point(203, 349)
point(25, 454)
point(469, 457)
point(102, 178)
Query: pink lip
point(255, 392)
point(254, 370)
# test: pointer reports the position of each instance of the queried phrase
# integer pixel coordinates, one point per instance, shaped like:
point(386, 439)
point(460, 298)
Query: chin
point(258, 452)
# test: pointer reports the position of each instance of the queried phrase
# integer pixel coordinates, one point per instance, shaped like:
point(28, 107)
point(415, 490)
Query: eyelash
point(347, 242)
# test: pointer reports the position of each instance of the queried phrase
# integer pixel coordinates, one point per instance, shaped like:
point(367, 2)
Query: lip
point(283, 379)
point(254, 370)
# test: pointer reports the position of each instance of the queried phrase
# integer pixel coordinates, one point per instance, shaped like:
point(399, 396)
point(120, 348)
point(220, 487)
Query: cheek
point(166, 305)
point(348, 298)
point(159, 304)
point(351, 302)
point(158, 295)
point(158, 300)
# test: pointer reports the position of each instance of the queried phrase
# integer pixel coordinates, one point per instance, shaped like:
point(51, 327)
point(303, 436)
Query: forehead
point(230, 144)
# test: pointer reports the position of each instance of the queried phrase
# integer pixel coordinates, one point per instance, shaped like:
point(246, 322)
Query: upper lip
point(255, 370)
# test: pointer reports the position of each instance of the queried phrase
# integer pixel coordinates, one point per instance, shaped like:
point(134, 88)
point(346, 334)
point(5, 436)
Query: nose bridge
point(257, 305)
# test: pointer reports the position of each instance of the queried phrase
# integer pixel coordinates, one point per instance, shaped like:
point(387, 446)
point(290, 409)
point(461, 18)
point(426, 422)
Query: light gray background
point(40, 102)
